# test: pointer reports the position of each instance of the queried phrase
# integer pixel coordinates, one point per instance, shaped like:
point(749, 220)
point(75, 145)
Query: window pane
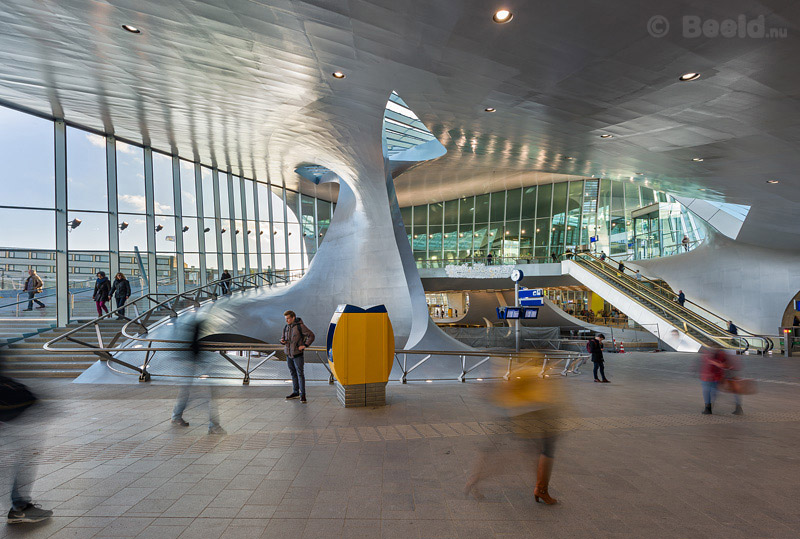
point(165, 238)
point(135, 235)
point(513, 203)
point(466, 207)
point(86, 171)
point(130, 178)
point(162, 184)
point(26, 151)
point(498, 206)
point(292, 201)
point(28, 229)
point(208, 192)
point(188, 191)
point(92, 233)
point(451, 212)
point(435, 212)
point(420, 218)
point(543, 201)
point(236, 181)
point(529, 203)
point(210, 236)
point(248, 195)
point(482, 209)
point(277, 205)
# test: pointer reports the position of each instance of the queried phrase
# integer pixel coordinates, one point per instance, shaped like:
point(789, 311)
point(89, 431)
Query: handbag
point(739, 386)
point(15, 398)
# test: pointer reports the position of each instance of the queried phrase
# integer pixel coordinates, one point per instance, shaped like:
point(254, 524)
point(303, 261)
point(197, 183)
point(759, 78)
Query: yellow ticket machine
point(360, 347)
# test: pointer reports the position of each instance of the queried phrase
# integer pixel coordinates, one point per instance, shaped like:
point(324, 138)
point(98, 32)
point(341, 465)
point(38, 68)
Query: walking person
point(121, 290)
point(732, 329)
point(603, 256)
point(489, 259)
point(554, 257)
point(19, 446)
point(638, 276)
point(33, 286)
point(595, 347)
point(102, 291)
point(295, 339)
point(681, 298)
point(621, 267)
point(685, 243)
point(198, 364)
point(716, 367)
point(226, 282)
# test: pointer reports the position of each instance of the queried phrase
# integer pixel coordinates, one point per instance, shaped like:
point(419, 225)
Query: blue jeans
point(710, 394)
point(183, 400)
point(298, 375)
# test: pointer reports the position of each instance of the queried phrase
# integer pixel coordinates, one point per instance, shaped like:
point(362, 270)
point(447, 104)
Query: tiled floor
point(636, 459)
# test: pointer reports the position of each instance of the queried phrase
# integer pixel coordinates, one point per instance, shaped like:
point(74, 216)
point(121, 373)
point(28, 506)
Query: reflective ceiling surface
point(247, 84)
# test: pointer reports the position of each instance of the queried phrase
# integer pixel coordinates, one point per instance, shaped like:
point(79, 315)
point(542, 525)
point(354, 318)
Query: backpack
point(589, 345)
point(15, 398)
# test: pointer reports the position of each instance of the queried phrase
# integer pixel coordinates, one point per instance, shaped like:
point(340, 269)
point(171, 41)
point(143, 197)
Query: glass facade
point(161, 220)
point(533, 223)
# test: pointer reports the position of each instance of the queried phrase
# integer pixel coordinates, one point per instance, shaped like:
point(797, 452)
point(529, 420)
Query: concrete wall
point(750, 285)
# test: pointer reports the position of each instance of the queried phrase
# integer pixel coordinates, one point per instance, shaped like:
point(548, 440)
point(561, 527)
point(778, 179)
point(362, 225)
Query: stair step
point(44, 373)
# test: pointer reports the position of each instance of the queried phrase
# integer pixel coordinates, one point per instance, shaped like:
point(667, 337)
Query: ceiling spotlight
point(249, 231)
point(606, 135)
point(159, 228)
point(640, 173)
point(773, 181)
point(689, 76)
point(320, 234)
point(274, 232)
point(131, 29)
point(123, 225)
point(523, 231)
point(236, 232)
point(185, 229)
point(416, 236)
point(490, 109)
point(206, 229)
point(569, 158)
point(502, 16)
point(338, 75)
point(261, 233)
point(290, 234)
point(461, 235)
point(697, 159)
point(223, 231)
point(75, 223)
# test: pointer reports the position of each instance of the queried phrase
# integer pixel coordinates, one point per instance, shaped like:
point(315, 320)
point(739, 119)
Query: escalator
point(654, 306)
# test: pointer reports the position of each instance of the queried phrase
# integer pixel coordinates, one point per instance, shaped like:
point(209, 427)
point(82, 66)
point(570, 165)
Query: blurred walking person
point(532, 405)
point(197, 364)
point(296, 338)
point(716, 368)
point(595, 347)
point(226, 282)
point(33, 286)
point(121, 290)
point(102, 291)
point(19, 444)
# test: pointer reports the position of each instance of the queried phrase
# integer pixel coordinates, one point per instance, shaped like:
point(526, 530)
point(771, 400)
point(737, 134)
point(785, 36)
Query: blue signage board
point(593, 239)
point(797, 305)
point(530, 314)
point(512, 313)
point(531, 293)
point(532, 302)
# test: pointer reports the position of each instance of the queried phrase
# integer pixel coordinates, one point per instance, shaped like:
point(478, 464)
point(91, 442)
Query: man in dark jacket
point(681, 298)
point(226, 282)
point(33, 286)
point(596, 349)
point(296, 338)
point(732, 329)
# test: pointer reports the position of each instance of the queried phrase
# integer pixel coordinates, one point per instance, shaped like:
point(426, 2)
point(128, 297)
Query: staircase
point(15, 329)
point(655, 308)
point(25, 358)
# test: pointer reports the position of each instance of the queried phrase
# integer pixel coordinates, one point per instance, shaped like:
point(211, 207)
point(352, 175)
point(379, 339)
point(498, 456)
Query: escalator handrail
point(670, 309)
point(672, 293)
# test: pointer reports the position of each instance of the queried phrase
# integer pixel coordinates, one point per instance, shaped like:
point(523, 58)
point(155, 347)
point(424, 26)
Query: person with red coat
point(716, 366)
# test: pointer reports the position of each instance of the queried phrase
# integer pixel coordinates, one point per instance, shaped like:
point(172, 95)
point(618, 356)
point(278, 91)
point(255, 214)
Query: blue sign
point(530, 314)
point(531, 293)
point(508, 313)
point(532, 302)
point(797, 305)
point(593, 239)
point(501, 313)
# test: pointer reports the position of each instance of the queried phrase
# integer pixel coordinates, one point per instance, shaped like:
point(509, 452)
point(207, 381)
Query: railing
point(165, 304)
point(432, 263)
point(661, 302)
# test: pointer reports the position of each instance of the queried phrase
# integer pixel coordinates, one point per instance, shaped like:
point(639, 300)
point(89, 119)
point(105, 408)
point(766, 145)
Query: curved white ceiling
point(247, 83)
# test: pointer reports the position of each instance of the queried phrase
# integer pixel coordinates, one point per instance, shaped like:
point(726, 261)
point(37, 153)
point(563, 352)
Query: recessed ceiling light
point(640, 173)
point(689, 76)
point(131, 29)
point(490, 109)
point(702, 189)
point(606, 135)
point(569, 158)
point(697, 159)
point(773, 181)
point(338, 75)
point(502, 16)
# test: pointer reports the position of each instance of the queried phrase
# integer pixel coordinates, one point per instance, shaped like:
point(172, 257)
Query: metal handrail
point(670, 295)
point(669, 308)
point(195, 296)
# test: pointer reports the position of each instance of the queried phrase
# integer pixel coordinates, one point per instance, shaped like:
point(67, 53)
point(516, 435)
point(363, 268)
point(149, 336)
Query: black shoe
point(29, 513)
point(27, 309)
point(303, 399)
point(596, 380)
point(41, 306)
point(707, 410)
point(738, 410)
point(292, 396)
point(606, 381)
